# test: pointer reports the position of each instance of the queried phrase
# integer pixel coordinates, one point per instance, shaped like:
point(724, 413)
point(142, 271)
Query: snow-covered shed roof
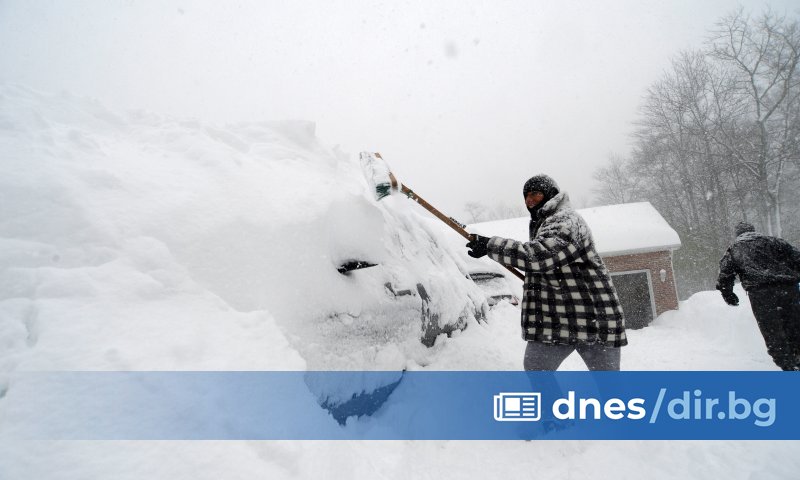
point(617, 229)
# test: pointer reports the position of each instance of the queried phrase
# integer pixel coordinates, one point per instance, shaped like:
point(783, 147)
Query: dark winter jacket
point(568, 297)
point(760, 261)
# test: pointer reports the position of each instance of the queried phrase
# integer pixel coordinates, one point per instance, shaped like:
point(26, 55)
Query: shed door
point(636, 297)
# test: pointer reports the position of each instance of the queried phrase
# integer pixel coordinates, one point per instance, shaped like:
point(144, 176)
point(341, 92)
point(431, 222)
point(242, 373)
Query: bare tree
point(717, 140)
point(480, 212)
point(615, 182)
point(476, 211)
point(763, 56)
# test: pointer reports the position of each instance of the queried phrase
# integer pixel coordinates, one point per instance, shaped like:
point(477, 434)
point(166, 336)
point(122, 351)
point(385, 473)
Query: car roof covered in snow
point(617, 229)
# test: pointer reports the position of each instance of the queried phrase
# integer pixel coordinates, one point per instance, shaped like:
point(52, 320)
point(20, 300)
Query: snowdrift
point(140, 242)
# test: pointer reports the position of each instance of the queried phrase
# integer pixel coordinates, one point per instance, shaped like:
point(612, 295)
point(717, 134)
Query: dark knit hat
point(541, 183)
point(743, 227)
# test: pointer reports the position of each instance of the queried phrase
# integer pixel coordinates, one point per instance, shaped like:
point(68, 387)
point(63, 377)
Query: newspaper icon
point(517, 407)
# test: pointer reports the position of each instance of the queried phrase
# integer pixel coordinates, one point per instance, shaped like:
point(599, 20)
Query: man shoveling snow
point(569, 302)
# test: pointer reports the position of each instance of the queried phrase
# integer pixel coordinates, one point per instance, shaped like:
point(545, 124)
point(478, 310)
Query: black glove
point(478, 246)
point(730, 298)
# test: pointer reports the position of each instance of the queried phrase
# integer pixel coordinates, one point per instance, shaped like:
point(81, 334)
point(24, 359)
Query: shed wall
point(666, 296)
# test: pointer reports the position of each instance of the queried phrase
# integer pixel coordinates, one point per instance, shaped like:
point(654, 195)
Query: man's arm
point(727, 274)
point(551, 249)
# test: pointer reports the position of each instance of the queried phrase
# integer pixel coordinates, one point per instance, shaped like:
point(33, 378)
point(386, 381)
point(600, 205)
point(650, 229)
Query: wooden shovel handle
point(427, 206)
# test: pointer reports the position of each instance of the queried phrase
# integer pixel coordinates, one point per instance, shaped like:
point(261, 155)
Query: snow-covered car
point(354, 283)
point(496, 283)
point(144, 242)
point(405, 275)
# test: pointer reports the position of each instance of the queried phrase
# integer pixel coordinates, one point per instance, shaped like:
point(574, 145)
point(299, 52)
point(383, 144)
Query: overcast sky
point(465, 99)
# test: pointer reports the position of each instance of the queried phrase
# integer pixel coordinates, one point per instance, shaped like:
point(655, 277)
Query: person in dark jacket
point(569, 302)
point(769, 269)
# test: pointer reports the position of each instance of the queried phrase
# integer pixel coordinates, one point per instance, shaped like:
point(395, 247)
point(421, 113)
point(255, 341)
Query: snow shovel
point(379, 176)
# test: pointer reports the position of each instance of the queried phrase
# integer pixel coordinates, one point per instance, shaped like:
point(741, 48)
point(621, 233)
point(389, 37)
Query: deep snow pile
point(93, 205)
point(135, 242)
point(140, 242)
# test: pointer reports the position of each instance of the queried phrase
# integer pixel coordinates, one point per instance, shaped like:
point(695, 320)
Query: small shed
point(636, 244)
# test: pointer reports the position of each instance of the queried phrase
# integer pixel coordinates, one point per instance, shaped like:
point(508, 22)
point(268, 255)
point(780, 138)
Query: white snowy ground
point(134, 242)
point(704, 334)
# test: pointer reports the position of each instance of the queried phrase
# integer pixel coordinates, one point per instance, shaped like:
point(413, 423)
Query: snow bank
point(141, 242)
point(700, 328)
point(96, 208)
point(705, 333)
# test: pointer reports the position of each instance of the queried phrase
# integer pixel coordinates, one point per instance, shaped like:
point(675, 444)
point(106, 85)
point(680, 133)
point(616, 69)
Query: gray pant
point(547, 356)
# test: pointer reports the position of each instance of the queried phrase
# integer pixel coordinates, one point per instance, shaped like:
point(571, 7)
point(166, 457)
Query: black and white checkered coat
point(568, 297)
